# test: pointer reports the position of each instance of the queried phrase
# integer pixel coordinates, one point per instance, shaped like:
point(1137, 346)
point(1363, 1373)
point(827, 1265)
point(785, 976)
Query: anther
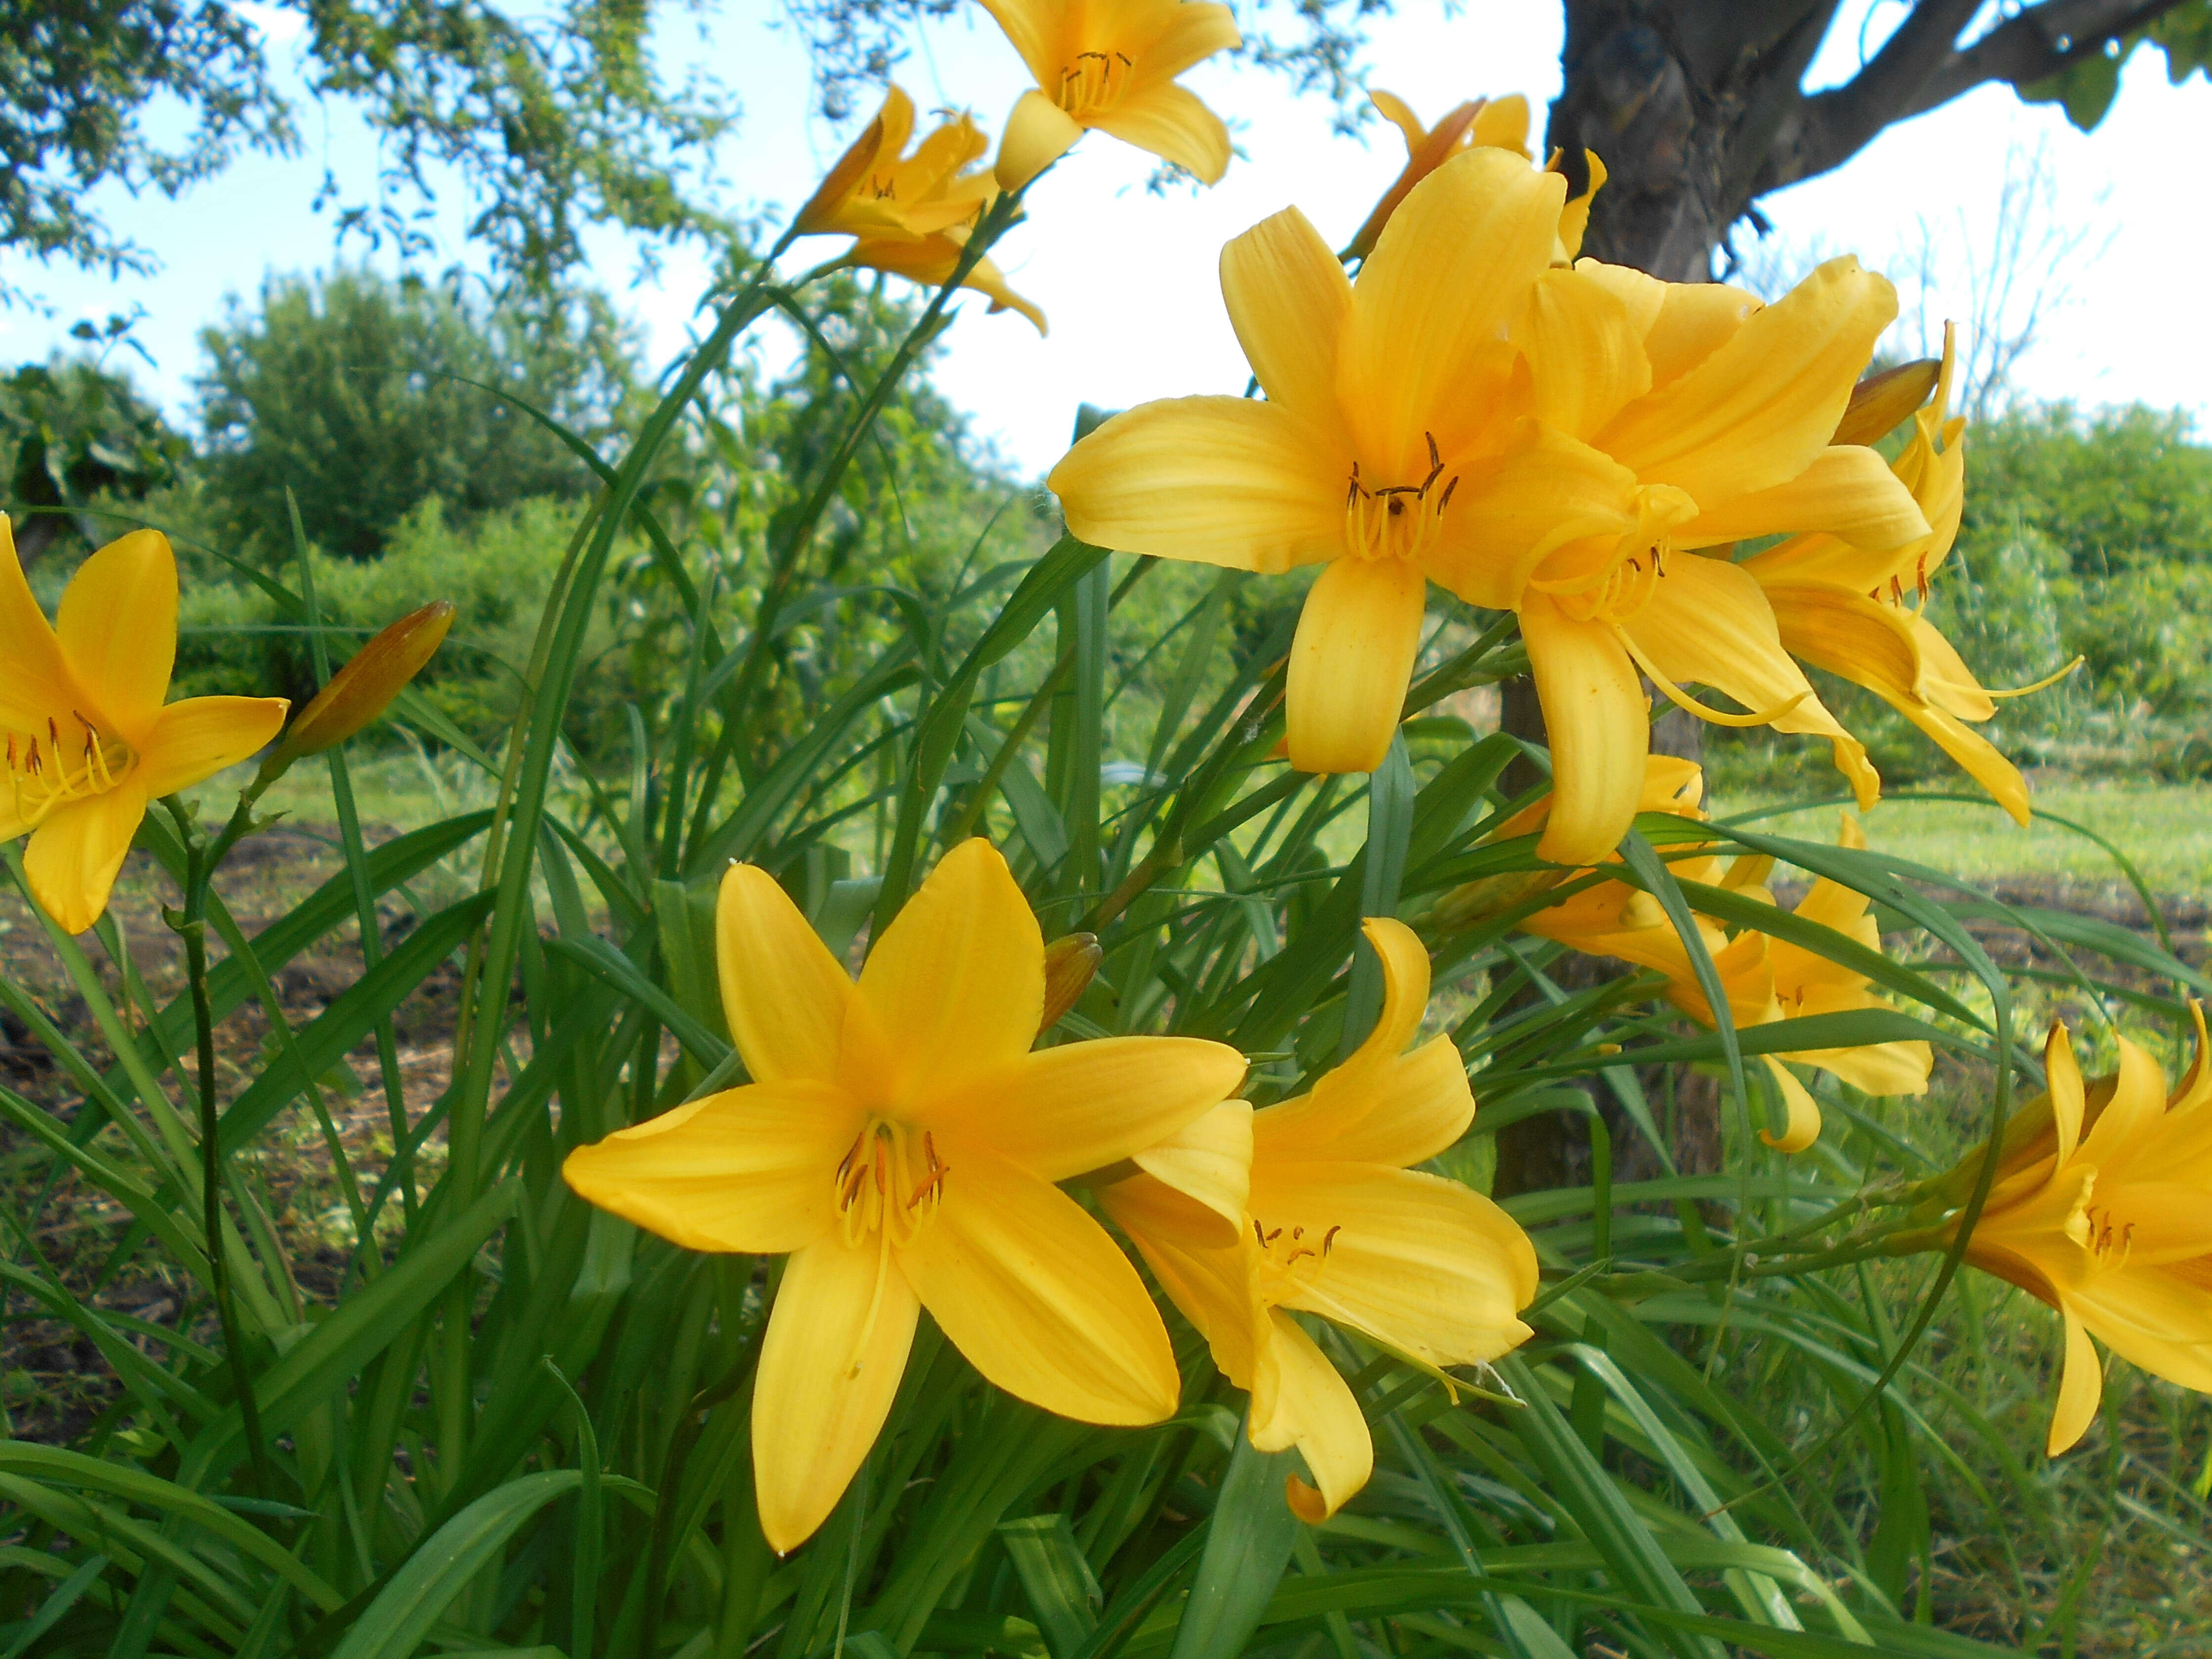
point(1445, 500)
point(1328, 1240)
point(1257, 1234)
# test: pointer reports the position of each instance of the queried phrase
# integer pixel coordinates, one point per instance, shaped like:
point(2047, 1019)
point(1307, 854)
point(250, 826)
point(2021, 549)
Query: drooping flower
point(1478, 123)
point(1765, 978)
point(1112, 64)
point(2102, 1207)
point(1331, 1222)
point(1860, 612)
point(900, 1142)
point(1384, 397)
point(89, 740)
point(1671, 418)
point(912, 214)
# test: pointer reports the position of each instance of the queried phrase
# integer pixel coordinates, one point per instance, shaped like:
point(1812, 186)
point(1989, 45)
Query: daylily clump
point(911, 214)
point(1112, 64)
point(89, 740)
point(1765, 978)
point(2102, 1207)
point(901, 1141)
point(1332, 1222)
point(1556, 441)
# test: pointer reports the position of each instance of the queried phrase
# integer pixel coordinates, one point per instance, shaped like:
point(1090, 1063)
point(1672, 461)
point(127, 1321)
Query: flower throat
point(71, 761)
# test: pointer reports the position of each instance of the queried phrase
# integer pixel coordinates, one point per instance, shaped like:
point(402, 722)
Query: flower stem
point(190, 925)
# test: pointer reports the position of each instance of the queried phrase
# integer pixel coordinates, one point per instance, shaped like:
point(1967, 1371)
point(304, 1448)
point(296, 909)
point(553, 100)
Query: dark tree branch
point(2036, 45)
point(1920, 68)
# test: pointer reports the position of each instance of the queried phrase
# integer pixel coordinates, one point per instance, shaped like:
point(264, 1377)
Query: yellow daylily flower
point(1112, 64)
point(900, 1142)
point(89, 740)
point(1766, 978)
point(1478, 123)
point(1384, 398)
point(1671, 418)
point(1858, 613)
point(2102, 1207)
point(1330, 1221)
point(911, 214)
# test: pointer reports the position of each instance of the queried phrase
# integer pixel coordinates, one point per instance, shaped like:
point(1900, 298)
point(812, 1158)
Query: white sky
point(1127, 278)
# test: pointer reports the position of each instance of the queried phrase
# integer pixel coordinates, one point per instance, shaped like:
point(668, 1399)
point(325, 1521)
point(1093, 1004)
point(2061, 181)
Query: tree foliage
point(69, 431)
point(353, 392)
point(556, 120)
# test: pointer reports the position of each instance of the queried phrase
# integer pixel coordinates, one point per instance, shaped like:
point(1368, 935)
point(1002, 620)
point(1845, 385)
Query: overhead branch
point(1920, 67)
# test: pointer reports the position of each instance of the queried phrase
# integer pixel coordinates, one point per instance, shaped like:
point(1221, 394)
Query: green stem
point(191, 924)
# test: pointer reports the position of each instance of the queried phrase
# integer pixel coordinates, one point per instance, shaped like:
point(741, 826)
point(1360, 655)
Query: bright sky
point(1127, 278)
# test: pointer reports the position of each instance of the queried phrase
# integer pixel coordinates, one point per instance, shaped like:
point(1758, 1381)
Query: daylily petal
point(2067, 1099)
point(751, 1169)
point(73, 857)
point(1037, 30)
point(1982, 761)
point(1212, 1287)
point(1352, 661)
point(1879, 647)
point(1708, 621)
point(1299, 1398)
point(1398, 1113)
point(829, 1368)
point(1644, 296)
point(785, 998)
point(1172, 123)
point(1082, 1106)
point(1596, 715)
point(1801, 1119)
point(1174, 35)
point(1507, 517)
point(1034, 1293)
point(1945, 680)
point(1383, 1105)
point(117, 627)
point(1879, 1068)
point(1584, 358)
point(1755, 413)
point(1224, 480)
point(2137, 1104)
point(1694, 320)
point(1419, 1262)
point(1208, 1159)
point(2079, 1389)
point(1503, 123)
point(37, 686)
point(1288, 301)
point(1846, 491)
point(931, 262)
point(188, 741)
point(822, 213)
point(1038, 133)
point(1450, 270)
point(953, 990)
point(1400, 114)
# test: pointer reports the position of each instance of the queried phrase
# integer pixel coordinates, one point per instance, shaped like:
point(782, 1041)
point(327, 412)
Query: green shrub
point(349, 391)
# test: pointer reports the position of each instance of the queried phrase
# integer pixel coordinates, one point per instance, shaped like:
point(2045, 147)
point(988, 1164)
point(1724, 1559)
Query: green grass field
point(2164, 829)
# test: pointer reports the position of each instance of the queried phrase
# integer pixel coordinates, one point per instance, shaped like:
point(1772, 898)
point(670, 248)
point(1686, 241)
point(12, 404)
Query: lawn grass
point(2164, 828)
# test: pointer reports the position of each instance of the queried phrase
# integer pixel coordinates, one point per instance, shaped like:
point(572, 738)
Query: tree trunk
point(1631, 96)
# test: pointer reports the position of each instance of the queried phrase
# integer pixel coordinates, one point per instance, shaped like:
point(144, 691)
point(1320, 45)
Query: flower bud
point(1479, 900)
point(1069, 963)
point(362, 691)
point(1881, 403)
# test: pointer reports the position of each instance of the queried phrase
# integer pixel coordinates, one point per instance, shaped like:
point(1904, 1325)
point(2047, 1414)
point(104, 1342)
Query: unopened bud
point(362, 691)
point(1070, 963)
point(1881, 403)
point(1470, 905)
